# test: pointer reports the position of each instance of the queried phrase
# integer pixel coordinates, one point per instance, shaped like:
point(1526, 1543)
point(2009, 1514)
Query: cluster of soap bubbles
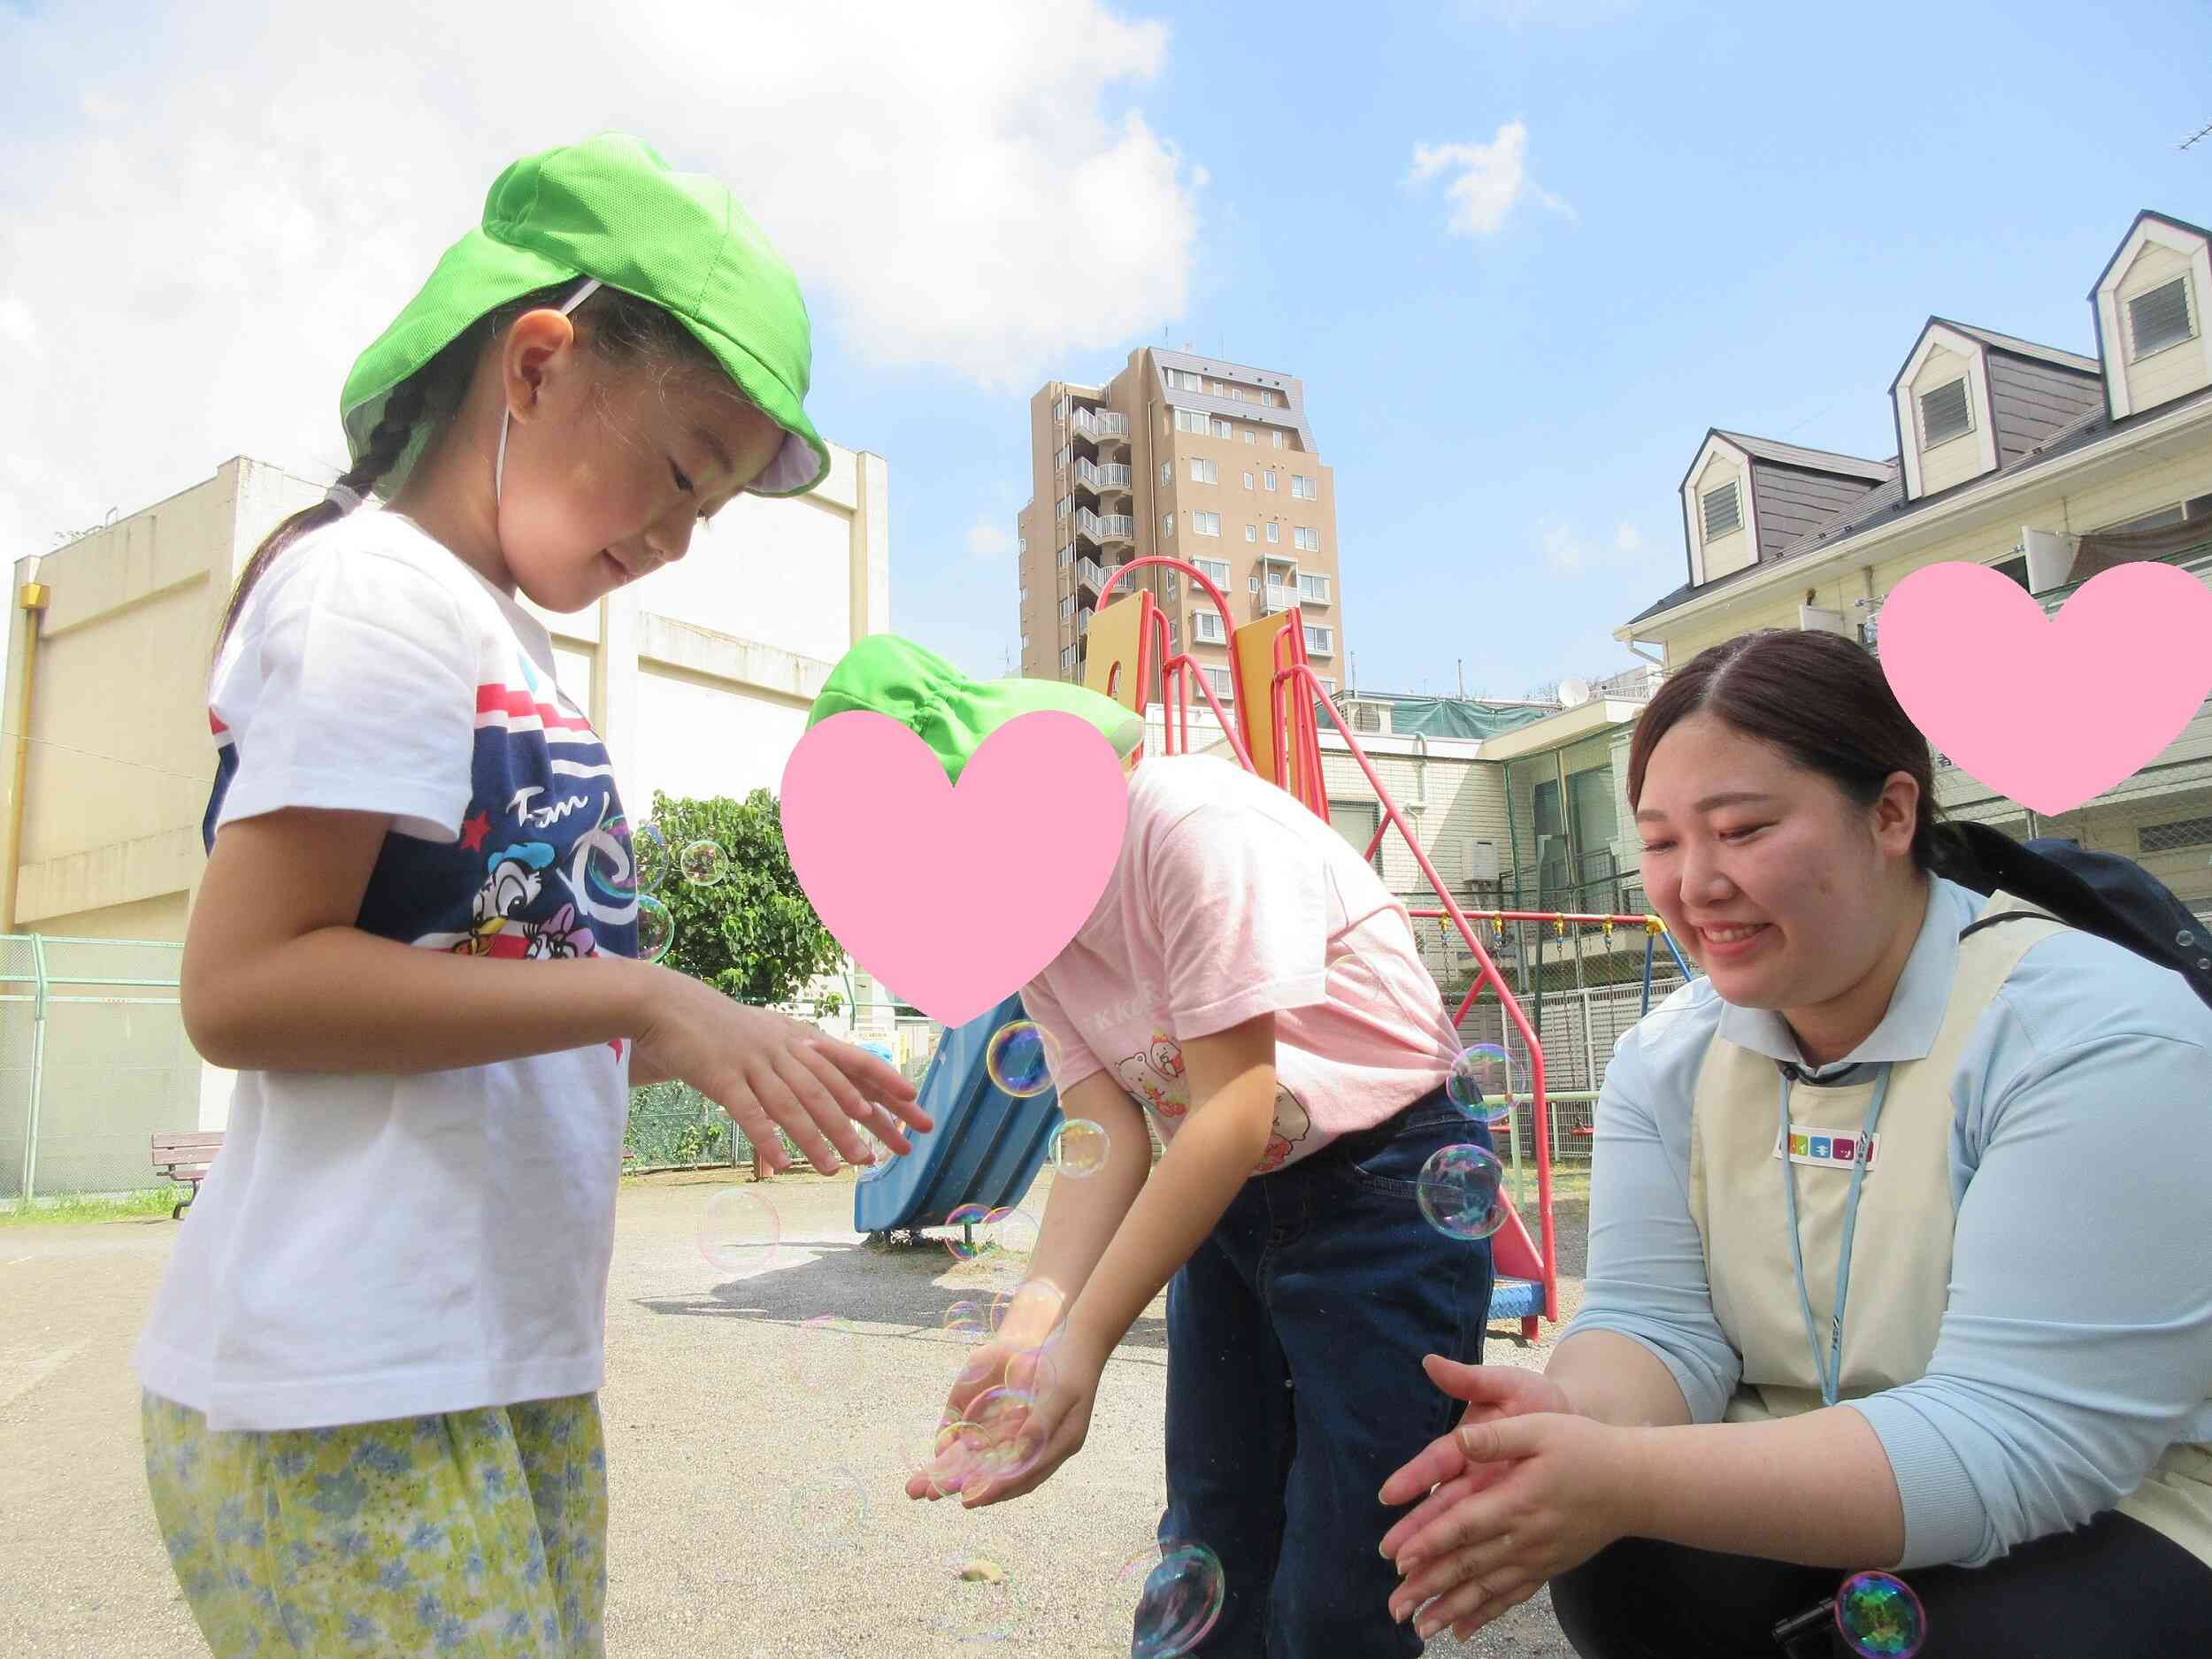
point(701, 863)
point(990, 1236)
point(1461, 1189)
point(1880, 1617)
point(1023, 1060)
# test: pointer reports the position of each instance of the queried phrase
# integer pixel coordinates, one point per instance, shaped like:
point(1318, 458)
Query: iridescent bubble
point(980, 1609)
point(964, 1224)
point(966, 1321)
point(1010, 1233)
point(1022, 1058)
point(704, 863)
point(649, 855)
point(932, 1445)
point(740, 1233)
point(1078, 1148)
point(1029, 1309)
point(656, 928)
point(1880, 1616)
point(1003, 1437)
point(1480, 1084)
point(826, 1356)
point(1462, 1192)
point(1179, 1590)
point(830, 1510)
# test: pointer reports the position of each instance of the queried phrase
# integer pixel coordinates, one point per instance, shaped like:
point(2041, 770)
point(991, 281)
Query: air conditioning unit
point(1826, 621)
point(1478, 861)
point(2050, 558)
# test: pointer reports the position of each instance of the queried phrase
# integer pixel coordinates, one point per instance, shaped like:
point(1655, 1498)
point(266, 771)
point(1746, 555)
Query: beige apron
point(1900, 1253)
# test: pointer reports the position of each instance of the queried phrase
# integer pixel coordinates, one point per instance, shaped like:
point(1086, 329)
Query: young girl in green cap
point(371, 1418)
point(1248, 983)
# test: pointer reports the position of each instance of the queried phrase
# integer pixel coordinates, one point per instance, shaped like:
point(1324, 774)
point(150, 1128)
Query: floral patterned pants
point(479, 1534)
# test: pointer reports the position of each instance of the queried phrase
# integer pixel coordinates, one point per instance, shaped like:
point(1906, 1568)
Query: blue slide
point(986, 1148)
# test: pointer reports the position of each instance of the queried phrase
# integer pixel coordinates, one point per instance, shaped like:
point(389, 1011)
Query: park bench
point(184, 1158)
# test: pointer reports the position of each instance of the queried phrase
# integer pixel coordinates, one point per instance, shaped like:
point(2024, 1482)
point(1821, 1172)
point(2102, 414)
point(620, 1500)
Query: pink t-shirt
point(1231, 900)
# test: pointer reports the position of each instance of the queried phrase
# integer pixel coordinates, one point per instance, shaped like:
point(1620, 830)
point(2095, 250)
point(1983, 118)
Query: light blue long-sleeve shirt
point(2077, 1345)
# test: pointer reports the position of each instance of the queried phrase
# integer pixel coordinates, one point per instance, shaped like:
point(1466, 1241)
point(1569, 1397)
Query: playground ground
point(715, 1423)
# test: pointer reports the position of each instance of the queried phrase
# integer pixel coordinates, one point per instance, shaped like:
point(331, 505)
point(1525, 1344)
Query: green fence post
point(38, 1070)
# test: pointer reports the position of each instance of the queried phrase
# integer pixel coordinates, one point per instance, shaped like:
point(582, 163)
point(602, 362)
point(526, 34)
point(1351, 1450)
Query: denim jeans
point(1295, 1386)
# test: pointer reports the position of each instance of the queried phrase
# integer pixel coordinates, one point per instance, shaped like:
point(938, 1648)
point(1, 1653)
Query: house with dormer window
point(2048, 464)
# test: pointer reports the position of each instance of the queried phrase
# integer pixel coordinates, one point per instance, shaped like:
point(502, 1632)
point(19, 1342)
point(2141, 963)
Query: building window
point(1303, 488)
point(1279, 440)
point(1308, 539)
point(1358, 821)
point(1215, 571)
point(1945, 413)
point(1251, 435)
point(1224, 687)
point(1024, 645)
point(1313, 587)
point(1274, 533)
point(1167, 524)
point(1251, 532)
point(1247, 478)
point(1173, 587)
point(1067, 659)
point(1723, 511)
point(1268, 478)
point(1067, 606)
point(1067, 556)
point(1184, 380)
point(1222, 429)
point(1061, 460)
point(1204, 471)
point(1206, 627)
point(1205, 523)
point(1320, 640)
point(1328, 686)
point(1065, 505)
point(2160, 318)
point(2182, 833)
point(1059, 409)
point(1251, 584)
point(1021, 543)
point(1167, 474)
point(1191, 421)
point(1024, 593)
point(1174, 636)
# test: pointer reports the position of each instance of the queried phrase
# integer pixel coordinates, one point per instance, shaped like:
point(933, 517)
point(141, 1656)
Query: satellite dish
point(1574, 692)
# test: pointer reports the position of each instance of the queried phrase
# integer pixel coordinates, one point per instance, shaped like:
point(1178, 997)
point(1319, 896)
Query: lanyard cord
point(1832, 1371)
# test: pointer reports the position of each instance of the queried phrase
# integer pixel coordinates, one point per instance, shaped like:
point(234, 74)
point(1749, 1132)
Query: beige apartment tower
point(1185, 458)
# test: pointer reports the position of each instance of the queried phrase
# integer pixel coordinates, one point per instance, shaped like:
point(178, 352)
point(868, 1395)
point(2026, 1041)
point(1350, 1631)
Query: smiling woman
point(1828, 1326)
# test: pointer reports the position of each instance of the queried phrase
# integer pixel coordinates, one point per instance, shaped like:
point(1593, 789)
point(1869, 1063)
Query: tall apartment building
point(1187, 457)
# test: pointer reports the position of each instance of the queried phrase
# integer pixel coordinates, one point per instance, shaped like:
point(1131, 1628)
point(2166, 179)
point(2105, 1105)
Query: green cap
point(953, 714)
point(610, 208)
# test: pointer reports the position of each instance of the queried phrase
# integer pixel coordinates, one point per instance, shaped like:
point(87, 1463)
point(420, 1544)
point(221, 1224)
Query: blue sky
point(1764, 204)
point(1689, 216)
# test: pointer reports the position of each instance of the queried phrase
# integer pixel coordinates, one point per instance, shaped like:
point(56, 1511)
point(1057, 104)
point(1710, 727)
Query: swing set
point(1278, 738)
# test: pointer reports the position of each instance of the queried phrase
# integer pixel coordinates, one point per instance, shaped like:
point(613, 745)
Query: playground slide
point(986, 1149)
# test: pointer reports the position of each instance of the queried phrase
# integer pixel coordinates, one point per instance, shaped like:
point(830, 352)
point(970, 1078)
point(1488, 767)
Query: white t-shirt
point(369, 1247)
point(1231, 900)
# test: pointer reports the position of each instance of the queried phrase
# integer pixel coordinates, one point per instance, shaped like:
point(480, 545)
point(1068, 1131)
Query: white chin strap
point(499, 467)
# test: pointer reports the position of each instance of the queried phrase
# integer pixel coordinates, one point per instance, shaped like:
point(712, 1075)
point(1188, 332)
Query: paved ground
point(757, 1504)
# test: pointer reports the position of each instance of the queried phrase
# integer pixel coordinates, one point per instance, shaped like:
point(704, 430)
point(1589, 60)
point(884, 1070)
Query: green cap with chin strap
point(953, 714)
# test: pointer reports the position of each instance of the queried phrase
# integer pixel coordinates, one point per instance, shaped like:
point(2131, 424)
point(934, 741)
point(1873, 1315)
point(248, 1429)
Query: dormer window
point(2160, 318)
point(1946, 412)
point(1723, 511)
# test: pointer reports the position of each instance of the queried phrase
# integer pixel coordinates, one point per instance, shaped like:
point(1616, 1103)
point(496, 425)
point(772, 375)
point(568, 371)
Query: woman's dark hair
point(1819, 699)
point(619, 326)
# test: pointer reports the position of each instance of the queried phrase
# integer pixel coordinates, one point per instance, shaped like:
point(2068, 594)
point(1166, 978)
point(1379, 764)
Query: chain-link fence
point(94, 1062)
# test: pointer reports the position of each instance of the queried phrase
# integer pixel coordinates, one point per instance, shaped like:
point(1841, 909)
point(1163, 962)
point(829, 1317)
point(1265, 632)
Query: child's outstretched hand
point(769, 1071)
point(1019, 1408)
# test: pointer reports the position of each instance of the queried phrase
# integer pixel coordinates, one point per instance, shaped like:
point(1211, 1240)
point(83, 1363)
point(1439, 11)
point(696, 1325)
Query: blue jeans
point(1295, 1386)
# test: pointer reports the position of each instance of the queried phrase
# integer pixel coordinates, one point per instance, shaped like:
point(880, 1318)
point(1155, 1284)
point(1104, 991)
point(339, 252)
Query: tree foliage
point(753, 934)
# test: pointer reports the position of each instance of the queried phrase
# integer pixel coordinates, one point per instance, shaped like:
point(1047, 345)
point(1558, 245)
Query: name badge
point(1829, 1149)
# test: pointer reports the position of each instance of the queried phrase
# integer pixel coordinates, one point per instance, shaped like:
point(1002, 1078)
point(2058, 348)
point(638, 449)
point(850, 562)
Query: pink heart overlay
point(2052, 712)
point(955, 897)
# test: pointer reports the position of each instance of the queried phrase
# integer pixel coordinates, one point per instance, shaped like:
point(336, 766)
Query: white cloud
point(1563, 549)
point(989, 540)
point(1488, 179)
point(207, 228)
point(1627, 539)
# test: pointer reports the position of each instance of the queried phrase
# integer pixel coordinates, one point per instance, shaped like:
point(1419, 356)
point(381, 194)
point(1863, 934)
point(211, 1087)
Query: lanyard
point(1830, 1372)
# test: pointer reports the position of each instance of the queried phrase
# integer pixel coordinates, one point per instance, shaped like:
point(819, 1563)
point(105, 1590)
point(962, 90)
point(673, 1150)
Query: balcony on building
point(1099, 427)
point(1113, 477)
point(1275, 596)
point(1091, 573)
point(1104, 527)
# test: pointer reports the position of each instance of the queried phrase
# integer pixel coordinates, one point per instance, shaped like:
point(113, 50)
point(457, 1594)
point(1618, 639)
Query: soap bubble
point(1022, 1058)
point(704, 863)
point(739, 1233)
point(1003, 1438)
point(1013, 1233)
point(979, 1606)
point(649, 855)
point(1880, 1616)
point(966, 1321)
point(932, 1445)
point(825, 1356)
point(1179, 1590)
point(829, 1511)
point(1078, 1148)
point(1462, 1192)
point(1478, 1084)
point(1032, 1306)
point(962, 1222)
point(656, 928)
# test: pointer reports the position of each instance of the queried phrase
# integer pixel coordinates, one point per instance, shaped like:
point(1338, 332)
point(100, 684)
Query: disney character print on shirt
point(1155, 1081)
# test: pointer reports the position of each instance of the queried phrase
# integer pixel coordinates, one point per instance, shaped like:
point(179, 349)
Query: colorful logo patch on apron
point(1829, 1149)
